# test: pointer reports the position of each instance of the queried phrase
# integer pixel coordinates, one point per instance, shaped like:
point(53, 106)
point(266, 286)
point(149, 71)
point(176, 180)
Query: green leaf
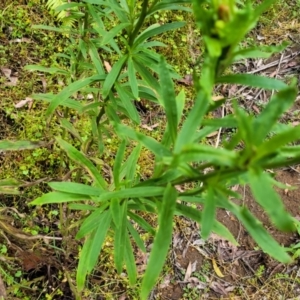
point(130, 261)
point(209, 213)
point(131, 163)
point(90, 223)
point(118, 163)
point(120, 236)
point(136, 236)
point(79, 158)
point(259, 52)
point(261, 187)
point(58, 197)
point(93, 52)
point(9, 186)
point(136, 192)
point(75, 188)
point(51, 70)
point(254, 81)
point(145, 74)
point(161, 241)
point(70, 90)
point(6, 145)
point(141, 222)
point(113, 32)
point(198, 152)
point(127, 102)
point(180, 102)
point(150, 143)
point(196, 215)
point(91, 249)
point(156, 29)
point(193, 121)
point(278, 104)
point(69, 127)
point(261, 236)
point(132, 79)
point(113, 76)
point(71, 103)
point(168, 98)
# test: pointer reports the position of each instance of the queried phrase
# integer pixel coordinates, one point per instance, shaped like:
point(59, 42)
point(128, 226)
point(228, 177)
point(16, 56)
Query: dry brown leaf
point(107, 66)
point(23, 102)
point(188, 272)
point(6, 72)
point(218, 288)
point(22, 40)
point(194, 282)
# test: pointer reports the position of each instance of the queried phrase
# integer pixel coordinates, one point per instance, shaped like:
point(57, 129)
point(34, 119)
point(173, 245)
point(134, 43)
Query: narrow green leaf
point(278, 104)
point(156, 29)
point(254, 81)
point(113, 76)
point(75, 188)
point(150, 143)
point(198, 152)
point(141, 222)
point(70, 90)
point(113, 32)
point(209, 213)
point(135, 235)
point(93, 52)
point(120, 236)
point(136, 192)
point(276, 142)
point(115, 210)
point(127, 102)
point(130, 261)
point(161, 241)
point(193, 121)
point(58, 197)
point(146, 75)
point(79, 158)
point(132, 79)
point(6, 145)
point(118, 163)
point(180, 102)
point(69, 127)
point(52, 70)
point(91, 249)
point(131, 163)
point(196, 215)
point(71, 103)
point(90, 223)
point(168, 98)
point(261, 187)
point(261, 236)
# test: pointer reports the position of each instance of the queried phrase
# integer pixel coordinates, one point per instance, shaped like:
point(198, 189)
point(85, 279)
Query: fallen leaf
point(23, 102)
point(194, 282)
point(216, 268)
point(6, 72)
point(187, 80)
point(218, 288)
point(188, 272)
point(107, 66)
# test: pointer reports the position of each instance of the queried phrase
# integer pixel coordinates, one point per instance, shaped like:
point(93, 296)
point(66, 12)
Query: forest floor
point(32, 266)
